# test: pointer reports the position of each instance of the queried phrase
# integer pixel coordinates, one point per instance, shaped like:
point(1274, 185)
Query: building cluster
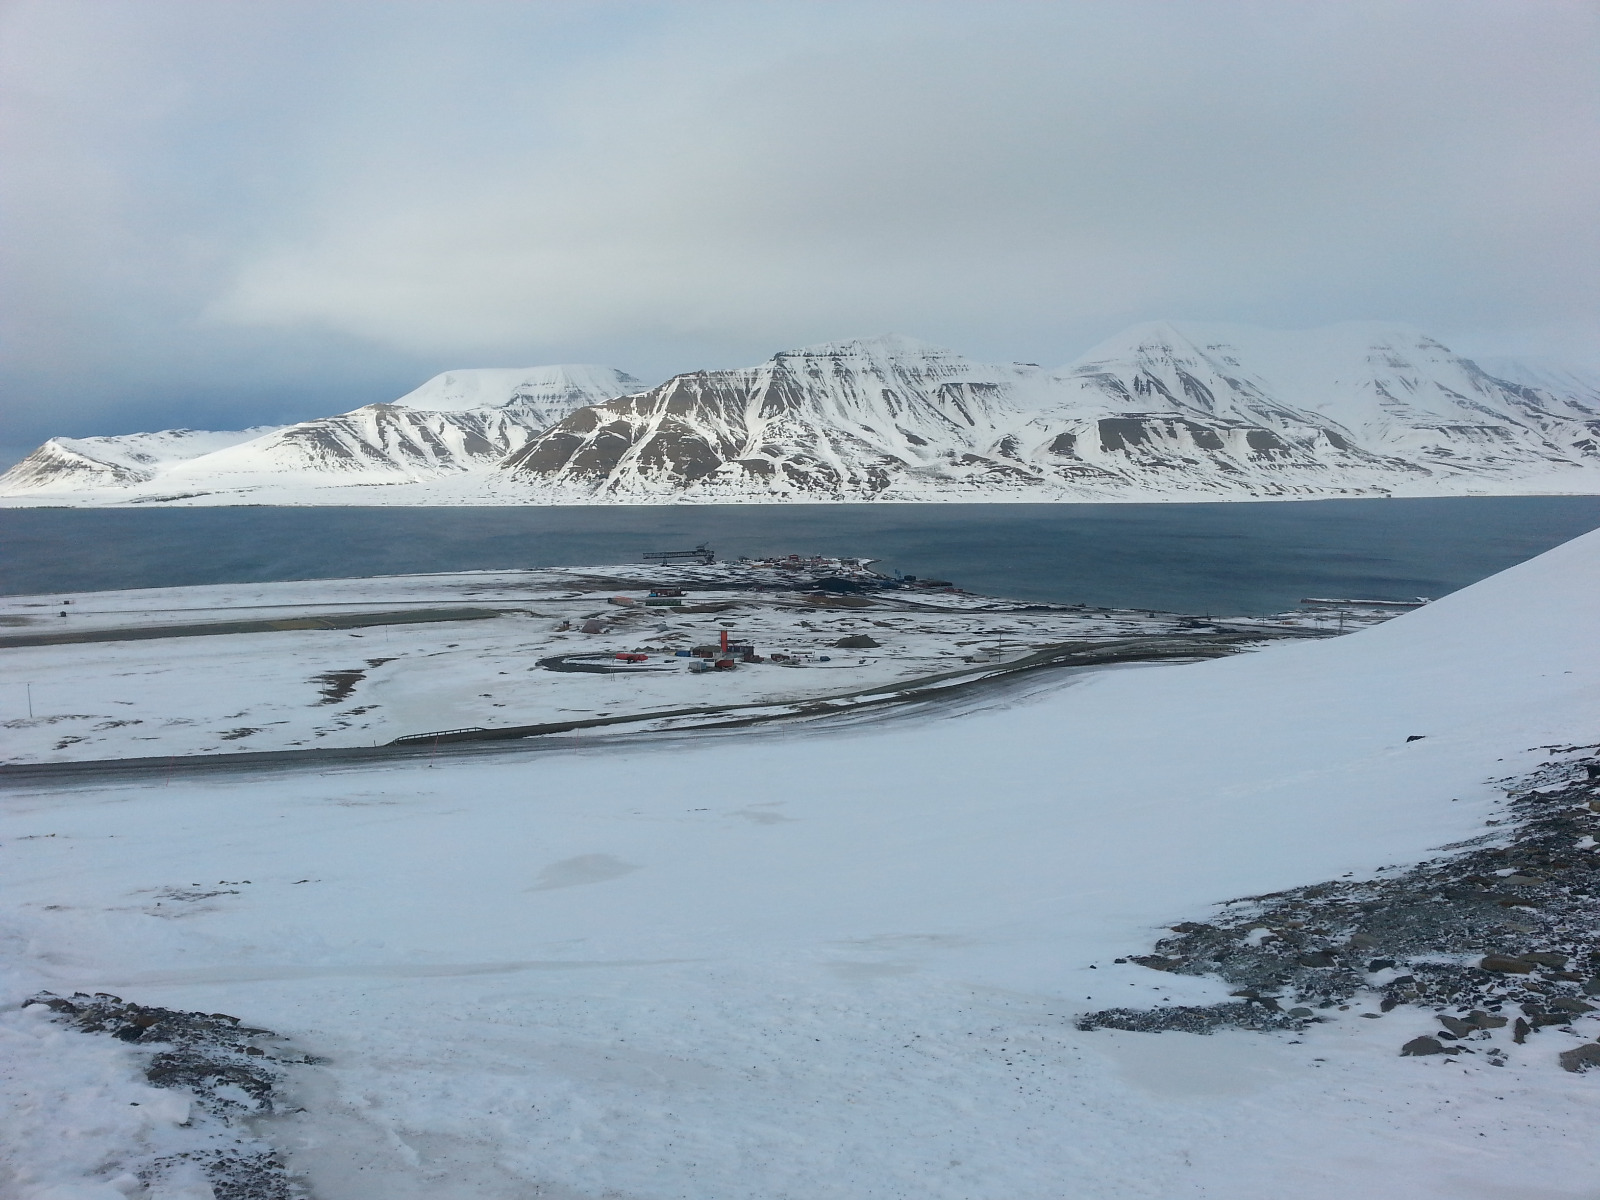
point(724, 655)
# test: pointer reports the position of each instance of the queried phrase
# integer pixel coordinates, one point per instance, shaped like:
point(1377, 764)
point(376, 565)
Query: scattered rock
point(1450, 931)
point(1504, 964)
point(1191, 1019)
point(1421, 1045)
point(1581, 1058)
point(222, 1065)
point(1571, 1004)
point(1545, 959)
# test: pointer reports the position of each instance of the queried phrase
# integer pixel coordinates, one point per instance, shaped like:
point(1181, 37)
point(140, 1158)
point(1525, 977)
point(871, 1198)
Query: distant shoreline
point(14, 502)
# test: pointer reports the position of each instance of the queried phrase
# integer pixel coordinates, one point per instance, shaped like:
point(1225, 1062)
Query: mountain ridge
point(1163, 410)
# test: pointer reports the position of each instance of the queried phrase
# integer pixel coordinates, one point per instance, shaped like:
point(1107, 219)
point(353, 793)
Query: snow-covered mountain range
point(96, 463)
point(456, 422)
point(1162, 411)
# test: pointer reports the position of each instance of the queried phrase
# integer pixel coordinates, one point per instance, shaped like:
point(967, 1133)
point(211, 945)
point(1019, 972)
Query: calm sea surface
point(1216, 558)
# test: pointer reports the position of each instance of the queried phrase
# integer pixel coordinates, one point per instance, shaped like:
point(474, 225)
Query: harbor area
point(402, 660)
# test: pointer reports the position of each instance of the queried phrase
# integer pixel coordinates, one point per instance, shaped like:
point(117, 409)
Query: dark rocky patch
point(1418, 1046)
point(1581, 1058)
point(337, 685)
point(1263, 442)
point(858, 641)
point(234, 1072)
point(1502, 936)
point(1254, 1013)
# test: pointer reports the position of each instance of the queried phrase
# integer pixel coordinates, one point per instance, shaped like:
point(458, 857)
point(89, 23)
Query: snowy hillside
point(542, 394)
point(845, 418)
point(1351, 408)
point(1559, 380)
point(454, 422)
point(840, 962)
point(79, 464)
point(1160, 412)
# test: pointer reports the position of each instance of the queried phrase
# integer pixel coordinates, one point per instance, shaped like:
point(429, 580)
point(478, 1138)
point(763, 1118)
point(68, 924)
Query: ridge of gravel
point(1500, 938)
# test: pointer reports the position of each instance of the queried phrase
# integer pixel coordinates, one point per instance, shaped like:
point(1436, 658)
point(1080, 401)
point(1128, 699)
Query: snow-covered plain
point(299, 687)
point(834, 964)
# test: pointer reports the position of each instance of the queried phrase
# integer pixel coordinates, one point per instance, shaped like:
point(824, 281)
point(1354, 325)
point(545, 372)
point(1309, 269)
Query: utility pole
point(30, 701)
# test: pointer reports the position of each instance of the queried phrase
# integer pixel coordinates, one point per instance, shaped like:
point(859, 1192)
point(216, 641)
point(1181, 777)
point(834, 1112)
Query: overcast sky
point(222, 214)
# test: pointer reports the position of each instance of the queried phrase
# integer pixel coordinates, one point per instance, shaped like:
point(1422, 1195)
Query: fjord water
point(1202, 558)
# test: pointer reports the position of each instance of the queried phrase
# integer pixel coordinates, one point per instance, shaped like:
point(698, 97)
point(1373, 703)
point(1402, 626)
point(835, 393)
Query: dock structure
point(700, 554)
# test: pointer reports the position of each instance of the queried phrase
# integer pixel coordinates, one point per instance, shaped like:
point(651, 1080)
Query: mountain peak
point(497, 387)
point(1284, 355)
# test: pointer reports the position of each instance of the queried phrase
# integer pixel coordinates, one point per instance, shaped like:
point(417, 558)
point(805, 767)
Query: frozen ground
point(299, 687)
point(823, 964)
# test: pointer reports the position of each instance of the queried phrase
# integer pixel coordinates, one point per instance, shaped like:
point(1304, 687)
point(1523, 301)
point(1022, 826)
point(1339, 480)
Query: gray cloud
point(231, 212)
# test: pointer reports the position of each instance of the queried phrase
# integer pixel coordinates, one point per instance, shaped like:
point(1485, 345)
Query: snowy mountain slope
point(1160, 410)
point(1357, 407)
point(543, 394)
point(843, 418)
point(1559, 379)
point(377, 442)
point(455, 421)
point(72, 464)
